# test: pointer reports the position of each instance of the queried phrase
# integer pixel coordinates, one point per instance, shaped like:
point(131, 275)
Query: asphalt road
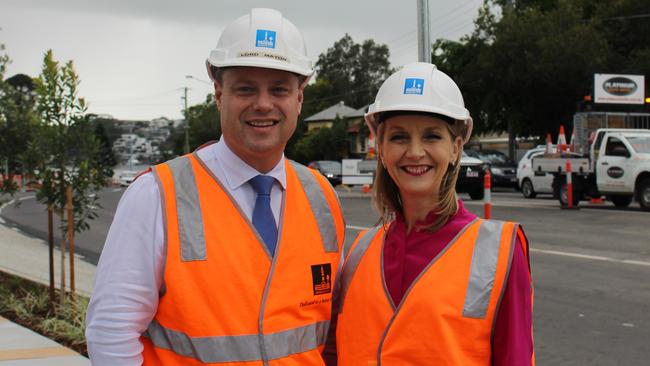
point(591, 270)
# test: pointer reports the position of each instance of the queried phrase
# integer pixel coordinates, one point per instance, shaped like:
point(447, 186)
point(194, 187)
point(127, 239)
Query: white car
point(127, 177)
point(531, 183)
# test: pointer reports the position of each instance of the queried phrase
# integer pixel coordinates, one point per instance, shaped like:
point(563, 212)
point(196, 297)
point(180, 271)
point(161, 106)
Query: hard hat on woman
point(420, 87)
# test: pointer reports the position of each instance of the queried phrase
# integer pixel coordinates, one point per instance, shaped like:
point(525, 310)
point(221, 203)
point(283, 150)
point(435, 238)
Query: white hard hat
point(420, 87)
point(262, 38)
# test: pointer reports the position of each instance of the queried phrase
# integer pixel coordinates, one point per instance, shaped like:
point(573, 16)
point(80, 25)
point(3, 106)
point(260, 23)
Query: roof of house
point(329, 114)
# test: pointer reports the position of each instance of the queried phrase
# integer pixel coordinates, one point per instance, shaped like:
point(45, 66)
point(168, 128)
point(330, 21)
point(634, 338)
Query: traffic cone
point(549, 144)
point(365, 188)
point(487, 195)
point(572, 144)
point(597, 200)
point(561, 140)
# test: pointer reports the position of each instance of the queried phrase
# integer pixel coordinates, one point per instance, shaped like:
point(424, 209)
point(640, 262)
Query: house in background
point(358, 135)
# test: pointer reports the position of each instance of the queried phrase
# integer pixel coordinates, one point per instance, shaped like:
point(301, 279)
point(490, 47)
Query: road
point(591, 270)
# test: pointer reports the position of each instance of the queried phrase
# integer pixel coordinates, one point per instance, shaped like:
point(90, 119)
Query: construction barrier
point(569, 187)
point(487, 195)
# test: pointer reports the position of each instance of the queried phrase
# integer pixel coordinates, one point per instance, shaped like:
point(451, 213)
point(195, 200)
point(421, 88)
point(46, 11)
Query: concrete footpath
point(28, 257)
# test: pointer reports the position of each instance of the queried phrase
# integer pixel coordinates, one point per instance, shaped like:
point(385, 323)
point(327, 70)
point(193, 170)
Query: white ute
point(617, 166)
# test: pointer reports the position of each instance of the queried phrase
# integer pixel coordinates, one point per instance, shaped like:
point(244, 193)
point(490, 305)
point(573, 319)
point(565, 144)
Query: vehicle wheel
point(477, 194)
point(643, 194)
point(562, 195)
point(621, 201)
point(527, 189)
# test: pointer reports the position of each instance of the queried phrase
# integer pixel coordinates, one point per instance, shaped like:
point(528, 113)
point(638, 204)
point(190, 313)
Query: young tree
point(63, 152)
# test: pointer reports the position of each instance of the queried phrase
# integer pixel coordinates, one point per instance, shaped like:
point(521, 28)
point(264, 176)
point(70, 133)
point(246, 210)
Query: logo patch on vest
point(321, 276)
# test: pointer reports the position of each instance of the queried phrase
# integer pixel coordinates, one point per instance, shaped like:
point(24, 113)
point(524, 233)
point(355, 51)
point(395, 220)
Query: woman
point(432, 285)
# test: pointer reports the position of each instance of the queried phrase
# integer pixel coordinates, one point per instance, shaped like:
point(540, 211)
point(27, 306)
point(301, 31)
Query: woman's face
point(416, 150)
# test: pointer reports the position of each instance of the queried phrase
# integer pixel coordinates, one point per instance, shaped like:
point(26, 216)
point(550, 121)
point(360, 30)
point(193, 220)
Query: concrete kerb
point(27, 256)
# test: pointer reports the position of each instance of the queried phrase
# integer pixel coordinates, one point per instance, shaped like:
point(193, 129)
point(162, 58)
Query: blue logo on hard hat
point(414, 86)
point(265, 38)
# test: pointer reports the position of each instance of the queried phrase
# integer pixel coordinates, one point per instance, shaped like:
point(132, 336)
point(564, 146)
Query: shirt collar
point(237, 172)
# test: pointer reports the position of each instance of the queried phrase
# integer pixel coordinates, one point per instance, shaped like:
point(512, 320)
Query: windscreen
point(640, 144)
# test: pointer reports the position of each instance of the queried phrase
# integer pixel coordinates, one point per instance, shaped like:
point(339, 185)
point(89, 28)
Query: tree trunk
point(70, 238)
point(50, 243)
point(62, 262)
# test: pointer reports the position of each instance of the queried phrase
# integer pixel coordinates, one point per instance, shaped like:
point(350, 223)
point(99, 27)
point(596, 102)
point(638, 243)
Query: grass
point(28, 304)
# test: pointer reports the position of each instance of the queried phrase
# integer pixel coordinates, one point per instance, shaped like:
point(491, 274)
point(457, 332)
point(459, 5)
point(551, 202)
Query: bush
point(28, 304)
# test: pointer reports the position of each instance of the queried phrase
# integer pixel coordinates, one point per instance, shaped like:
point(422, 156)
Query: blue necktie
point(262, 215)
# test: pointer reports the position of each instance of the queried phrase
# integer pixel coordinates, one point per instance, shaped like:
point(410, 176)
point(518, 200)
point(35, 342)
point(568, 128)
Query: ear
point(218, 93)
point(301, 96)
point(456, 149)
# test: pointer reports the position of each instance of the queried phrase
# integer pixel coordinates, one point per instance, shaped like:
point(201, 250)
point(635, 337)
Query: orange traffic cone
point(561, 140)
point(572, 143)
point(365, 188)
point(549, 144)
point(597, 200)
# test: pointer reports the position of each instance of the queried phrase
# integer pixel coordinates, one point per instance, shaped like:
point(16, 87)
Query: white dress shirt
point(130, 270)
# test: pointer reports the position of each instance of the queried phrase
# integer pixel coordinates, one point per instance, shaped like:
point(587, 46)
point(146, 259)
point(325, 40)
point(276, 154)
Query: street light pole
point(424, 41)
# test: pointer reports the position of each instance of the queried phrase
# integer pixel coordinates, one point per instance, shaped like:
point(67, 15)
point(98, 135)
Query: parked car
point(531, 183)
point(330, 169)
point(502, 169)
point(127, 176)
point(470, 177)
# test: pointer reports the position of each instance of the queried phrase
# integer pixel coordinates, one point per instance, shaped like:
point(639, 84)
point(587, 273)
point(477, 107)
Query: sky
point(133, 56)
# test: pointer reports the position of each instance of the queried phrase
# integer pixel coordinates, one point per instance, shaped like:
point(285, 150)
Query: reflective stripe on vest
point(190, 221)
point(238, 348)
point(483, 269)
point(319, 207)
point(352, 262)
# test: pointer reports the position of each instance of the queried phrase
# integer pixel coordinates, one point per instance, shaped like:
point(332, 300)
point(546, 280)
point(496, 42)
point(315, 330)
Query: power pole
point(424, 40)
point(512, 136)
point(186, 149)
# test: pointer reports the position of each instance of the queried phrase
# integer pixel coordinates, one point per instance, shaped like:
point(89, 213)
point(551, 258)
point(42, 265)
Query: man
point(228, 255)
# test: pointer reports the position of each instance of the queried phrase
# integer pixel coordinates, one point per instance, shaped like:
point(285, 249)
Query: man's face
point(259, 112)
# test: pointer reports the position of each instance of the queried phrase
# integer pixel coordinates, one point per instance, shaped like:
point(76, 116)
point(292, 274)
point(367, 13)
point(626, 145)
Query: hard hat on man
point(263, 38)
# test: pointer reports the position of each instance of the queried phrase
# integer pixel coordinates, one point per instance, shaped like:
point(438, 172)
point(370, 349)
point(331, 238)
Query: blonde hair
point(386, 197)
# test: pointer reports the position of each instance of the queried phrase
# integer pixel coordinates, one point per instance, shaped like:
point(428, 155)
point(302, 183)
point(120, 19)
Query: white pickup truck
point(617, 166)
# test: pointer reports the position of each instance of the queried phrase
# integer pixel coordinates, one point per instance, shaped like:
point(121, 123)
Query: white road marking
point(591, 257)
point(26, 198)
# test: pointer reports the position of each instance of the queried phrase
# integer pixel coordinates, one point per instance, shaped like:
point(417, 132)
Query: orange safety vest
point(445, 318)
point(225, 300)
